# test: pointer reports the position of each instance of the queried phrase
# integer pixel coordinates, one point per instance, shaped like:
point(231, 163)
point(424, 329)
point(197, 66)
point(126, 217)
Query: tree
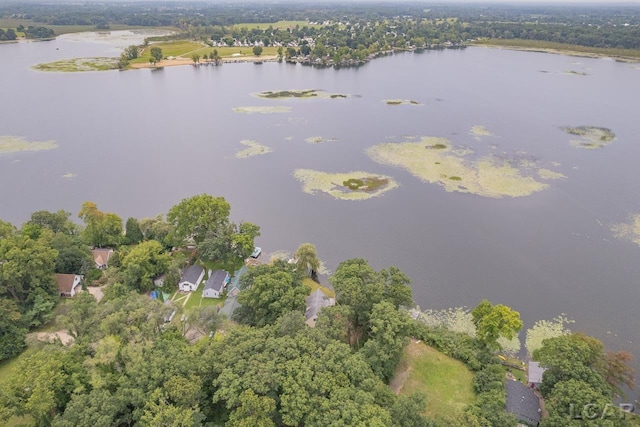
point(229, 243)
point(268, 292)
point(74, 257)
point(257, 50)
point(195, 58)
point(495, 321)
point(195, 216)
point(158, 229)
point(133, 233)
point(101, 229)
point(307, 260)
point(26, 270)
point(144, 262)
point(12, 333)
point(6, 229)
point(58, 222)
point(156, 53)
point(131, 52)
point(80, 315)
point(388, 337)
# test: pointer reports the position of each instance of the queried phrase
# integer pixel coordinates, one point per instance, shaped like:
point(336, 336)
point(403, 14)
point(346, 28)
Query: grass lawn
point(59, 29)
point(447, 382)
point(313, 285)
point(187, 48)
point(228, 51)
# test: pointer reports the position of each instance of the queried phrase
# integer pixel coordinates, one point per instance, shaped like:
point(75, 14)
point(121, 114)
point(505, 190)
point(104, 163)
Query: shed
point(215, 285)
point(191, 277)
point(523, 403)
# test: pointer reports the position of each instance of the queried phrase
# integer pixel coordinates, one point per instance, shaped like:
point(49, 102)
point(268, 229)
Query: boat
point(256, 252)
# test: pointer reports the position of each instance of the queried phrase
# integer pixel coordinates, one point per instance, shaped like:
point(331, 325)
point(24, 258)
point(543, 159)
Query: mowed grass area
point(187, 48)
point(276, 25)
point(447, 383)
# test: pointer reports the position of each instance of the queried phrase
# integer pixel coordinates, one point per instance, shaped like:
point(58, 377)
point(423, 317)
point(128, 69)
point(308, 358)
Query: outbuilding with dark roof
point(523, 403)
point(214, 286)
point(191, 277)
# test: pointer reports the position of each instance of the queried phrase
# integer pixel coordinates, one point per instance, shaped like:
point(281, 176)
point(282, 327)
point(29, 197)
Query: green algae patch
point(575, 73)
point(69, 175)
point(591, 137)
point(253, 149)
point(479, 131)
point(307, 93)
point(16, 144)
point(487, 176)
point(629, 230)
point(401, 102)
point(320, 139)
point(262, 109)
point(549, 174)
point(79, 65)
point(356, 185)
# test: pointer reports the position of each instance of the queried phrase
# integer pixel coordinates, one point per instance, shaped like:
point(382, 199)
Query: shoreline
point(188, 61)
point(556, 51)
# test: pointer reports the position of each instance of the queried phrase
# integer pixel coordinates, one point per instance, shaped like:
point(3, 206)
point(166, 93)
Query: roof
point(315, 302)
point(216, 281)
point(191, 274)
point(101, 255)
point(66, 282)
point(522, 402)
point(535, 372)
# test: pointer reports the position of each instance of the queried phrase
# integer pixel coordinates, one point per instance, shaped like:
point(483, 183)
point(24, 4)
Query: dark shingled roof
point(191, 274)
point(522, 402)
point(216, 281)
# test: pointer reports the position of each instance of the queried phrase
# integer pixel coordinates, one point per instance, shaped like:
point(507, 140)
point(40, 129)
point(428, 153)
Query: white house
point(191, 277)
point(216, 284)
point(68, 284)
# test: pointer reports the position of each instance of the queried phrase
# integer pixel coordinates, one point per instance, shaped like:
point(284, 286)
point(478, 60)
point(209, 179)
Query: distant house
point(534, 376)
point(214, 286)
point(315, 302)
point(523, 403)
point(101, 257)
point(191, 277)
point(68, 284)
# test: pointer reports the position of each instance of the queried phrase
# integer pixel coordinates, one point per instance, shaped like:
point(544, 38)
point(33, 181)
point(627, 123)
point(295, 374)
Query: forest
point(354, 28)
point(131, 360)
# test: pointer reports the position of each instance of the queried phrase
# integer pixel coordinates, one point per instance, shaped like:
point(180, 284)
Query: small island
point(401, 102)
point(305, 94)
point(79, 65)
point(253, 149)
point(591, 137)
point(355, 185)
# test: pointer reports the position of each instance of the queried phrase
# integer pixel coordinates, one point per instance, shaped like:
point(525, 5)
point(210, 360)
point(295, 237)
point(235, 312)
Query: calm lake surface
point(139, 141)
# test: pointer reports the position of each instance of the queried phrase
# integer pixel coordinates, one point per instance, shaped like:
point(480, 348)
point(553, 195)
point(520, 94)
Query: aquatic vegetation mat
point(80, 64)
point(253, 149)
point(262, 109)
point(320, 139)
point(480, 131)
point(355, 185)
point(549, 174)
point(401, 102)
point(591, 137)
point(16, 144)
point(307, 93)
point(629, 230)
point(435, 160)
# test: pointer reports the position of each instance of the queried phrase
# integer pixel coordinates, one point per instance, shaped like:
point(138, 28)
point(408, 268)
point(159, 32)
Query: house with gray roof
point(315, 302)
point(215, 285)
point(523, 403)
point(191, 277)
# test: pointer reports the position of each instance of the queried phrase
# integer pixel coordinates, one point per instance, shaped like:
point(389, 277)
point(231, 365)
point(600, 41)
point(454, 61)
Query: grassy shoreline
point(623, 55)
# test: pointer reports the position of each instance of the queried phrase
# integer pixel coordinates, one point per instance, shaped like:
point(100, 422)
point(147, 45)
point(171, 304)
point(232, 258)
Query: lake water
point(137, 142)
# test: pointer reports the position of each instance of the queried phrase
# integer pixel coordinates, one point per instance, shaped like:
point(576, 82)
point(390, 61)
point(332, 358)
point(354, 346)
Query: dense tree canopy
point(101, 229)
point(495, 321)
point(196, 216)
